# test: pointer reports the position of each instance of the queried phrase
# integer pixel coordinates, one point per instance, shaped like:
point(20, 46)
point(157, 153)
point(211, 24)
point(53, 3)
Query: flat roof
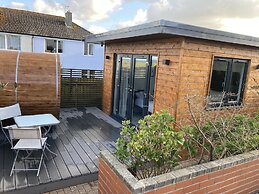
point(164, 27)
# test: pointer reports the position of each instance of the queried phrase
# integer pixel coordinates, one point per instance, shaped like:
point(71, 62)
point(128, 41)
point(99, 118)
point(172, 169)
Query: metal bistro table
point(46, 121)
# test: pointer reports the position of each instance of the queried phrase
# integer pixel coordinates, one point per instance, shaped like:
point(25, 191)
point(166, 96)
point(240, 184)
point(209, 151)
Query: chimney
point(68, 19)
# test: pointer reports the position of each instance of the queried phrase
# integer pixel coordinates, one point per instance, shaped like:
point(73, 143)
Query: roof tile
point(38, 24)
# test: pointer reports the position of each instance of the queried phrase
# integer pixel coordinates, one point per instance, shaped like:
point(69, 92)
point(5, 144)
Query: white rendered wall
point(73, 54)
point(26, 43)
point(38, 44)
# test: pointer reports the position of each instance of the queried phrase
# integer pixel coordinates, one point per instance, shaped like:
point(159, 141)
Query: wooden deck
point(78, 139)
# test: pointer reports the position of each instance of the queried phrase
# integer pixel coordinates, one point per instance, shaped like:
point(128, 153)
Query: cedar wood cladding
point(188, 73)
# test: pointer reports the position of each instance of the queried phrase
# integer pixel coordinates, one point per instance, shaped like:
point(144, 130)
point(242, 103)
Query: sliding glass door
point(122, 86)
point(134, 86)
point(140, 84)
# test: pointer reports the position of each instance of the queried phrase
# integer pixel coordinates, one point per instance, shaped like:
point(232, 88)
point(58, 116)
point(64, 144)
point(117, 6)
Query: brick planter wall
point(238, 174)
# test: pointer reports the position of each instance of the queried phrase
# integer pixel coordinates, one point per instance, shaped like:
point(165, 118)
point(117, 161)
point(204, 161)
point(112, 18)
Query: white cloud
point(238, 16)
point(140, 17)
point(49, 7)
point(101, 8)
point(241, 26)
point(83, 10)
point(97, 29)
point(17, 5)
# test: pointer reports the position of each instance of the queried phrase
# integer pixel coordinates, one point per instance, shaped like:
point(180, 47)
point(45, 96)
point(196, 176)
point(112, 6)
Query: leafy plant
point(153, 147)
point(222, 132)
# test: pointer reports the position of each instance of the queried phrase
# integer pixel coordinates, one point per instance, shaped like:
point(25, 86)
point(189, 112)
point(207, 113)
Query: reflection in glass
point(51, 46)
point(218, 80)
point(238, 69)
point(124, 86)
point(154, 60)
point(139, 97)
point(134, 84)
point(116, 85)
point(60, 46)
point(13, 42)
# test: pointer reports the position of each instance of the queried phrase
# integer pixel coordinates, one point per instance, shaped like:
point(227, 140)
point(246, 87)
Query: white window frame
point(87, 49)
point(57, 40)
point(5, 40)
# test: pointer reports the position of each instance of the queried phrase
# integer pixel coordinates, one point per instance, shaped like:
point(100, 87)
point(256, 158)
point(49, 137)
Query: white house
point(42, 33)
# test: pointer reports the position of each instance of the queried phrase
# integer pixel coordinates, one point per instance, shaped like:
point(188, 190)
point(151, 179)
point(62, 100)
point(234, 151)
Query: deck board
point(79, 145)
point(72, 167)
point(9, 181)
point(77, 141)
point(59, 162)
point(1, 169)
point(67, 142)
point(104, 142)
point(21, 179)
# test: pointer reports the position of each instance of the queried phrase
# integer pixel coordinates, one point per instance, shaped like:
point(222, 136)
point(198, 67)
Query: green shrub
point(153, 147)
point(226, 137)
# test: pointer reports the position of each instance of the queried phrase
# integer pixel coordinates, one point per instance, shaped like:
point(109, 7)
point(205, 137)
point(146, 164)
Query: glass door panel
point(139, 100)
point(124, 86)
point(116, 94)
point(218, 80)
point(151, 93)
point(238, 68)
point(121, 87)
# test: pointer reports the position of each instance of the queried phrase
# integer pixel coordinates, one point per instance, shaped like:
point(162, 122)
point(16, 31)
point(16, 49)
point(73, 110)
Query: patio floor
point(77, 140)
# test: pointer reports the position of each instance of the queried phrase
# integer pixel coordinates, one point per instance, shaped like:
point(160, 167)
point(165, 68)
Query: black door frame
point(130, 91)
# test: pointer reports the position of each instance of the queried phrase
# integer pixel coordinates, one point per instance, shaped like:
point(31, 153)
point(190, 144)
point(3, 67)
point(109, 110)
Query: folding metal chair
point(9, 112)
point(29, 139)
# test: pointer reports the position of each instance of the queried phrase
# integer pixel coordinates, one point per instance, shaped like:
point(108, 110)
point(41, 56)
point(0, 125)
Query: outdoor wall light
point(166, 62)
point(107, 57)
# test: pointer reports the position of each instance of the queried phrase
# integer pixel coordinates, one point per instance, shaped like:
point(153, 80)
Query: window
point(8, 41)
point(88, 49)
point(53, 46)
point(227, 81)
point(13, 42)
point(60, 46)
point(2, 41)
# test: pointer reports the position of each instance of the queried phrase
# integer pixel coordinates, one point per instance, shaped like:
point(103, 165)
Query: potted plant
point(225, 148)
point(151, 148)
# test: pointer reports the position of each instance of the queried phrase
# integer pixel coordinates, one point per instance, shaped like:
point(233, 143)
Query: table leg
point(47, 130)
point(47, 148)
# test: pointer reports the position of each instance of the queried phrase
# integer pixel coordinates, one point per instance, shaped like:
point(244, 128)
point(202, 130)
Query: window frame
point(5, 42)
point(57, 47)
point(87, 46)
point(226, 88)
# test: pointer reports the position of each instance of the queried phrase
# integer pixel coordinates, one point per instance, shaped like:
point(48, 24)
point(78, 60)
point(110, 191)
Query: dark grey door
point(134, 86)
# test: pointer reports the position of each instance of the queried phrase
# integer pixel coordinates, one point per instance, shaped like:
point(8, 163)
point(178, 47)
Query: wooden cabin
point(155, 66)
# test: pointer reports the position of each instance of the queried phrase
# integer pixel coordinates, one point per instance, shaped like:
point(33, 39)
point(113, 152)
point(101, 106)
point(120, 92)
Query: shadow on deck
point(77, 140)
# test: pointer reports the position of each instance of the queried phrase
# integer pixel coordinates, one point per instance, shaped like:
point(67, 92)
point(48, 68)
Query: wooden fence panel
point(81, 88)
point(33, 80)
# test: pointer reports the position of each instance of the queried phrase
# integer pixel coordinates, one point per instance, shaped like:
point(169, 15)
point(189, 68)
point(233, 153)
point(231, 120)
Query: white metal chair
point(9, 112)
point(29, 139)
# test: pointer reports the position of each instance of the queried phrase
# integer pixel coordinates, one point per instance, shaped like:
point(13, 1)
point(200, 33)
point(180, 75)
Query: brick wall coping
point(144, 185)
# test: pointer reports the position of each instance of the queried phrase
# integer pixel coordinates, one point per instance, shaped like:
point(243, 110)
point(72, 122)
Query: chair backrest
point(10, 111)
point(25, 133)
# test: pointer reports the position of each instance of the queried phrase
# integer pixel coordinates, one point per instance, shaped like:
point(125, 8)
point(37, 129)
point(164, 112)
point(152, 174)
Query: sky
point(97, 16)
